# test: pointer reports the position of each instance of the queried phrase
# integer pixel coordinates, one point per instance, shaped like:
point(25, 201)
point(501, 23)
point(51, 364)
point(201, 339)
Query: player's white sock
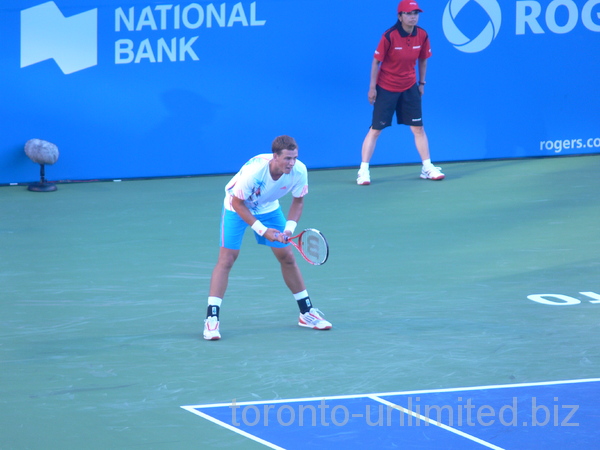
point(215, 301)
point(427, 163)
point(301, 295)
point(364, 166)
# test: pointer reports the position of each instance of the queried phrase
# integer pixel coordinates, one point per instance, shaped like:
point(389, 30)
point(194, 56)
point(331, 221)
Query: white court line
point(435, 422)
point(386, 394)
point(232, 428)
point(376, 397)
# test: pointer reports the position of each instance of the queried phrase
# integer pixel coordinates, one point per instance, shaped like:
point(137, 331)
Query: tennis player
point(252, 199)
point(394, 88)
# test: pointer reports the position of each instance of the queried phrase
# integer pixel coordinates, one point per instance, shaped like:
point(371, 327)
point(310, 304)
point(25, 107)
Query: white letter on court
point(566, 300)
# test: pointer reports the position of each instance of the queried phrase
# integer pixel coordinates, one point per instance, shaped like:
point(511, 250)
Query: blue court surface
point(549, 415)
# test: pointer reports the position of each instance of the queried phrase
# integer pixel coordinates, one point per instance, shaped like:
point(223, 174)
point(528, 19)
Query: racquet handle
point(286, 237)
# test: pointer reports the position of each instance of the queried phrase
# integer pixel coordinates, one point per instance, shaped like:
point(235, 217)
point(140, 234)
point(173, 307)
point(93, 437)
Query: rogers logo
point(531, 17)
point(456, 37)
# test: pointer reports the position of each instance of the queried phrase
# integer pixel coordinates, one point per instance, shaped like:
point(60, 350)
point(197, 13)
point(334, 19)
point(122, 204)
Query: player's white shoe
point(314, 319)
point(432, 173)
point(364, 178)
point(211, 329)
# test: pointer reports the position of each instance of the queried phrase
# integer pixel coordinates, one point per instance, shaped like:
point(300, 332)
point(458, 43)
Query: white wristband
point(290, 226)
point(259, 228)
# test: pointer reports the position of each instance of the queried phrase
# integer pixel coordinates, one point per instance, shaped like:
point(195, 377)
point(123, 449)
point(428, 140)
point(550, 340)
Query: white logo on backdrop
point(47, 34)
point(73, 42)
point(487, 35)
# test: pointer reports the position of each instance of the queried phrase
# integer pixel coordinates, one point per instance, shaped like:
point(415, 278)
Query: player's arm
point(240, 207)
point(422, 64)
point(294, 215)
point(373, 84)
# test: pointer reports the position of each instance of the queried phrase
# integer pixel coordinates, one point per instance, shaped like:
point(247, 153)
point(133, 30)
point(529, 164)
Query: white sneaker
point(364, 178)
point(313, 319)
point(211, 329)
point(432, 173)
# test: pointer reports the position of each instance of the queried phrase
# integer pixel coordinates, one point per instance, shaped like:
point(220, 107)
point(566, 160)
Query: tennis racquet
point(312, 245)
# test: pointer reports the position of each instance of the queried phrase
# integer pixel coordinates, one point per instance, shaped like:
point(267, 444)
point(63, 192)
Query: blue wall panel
point(507, 79)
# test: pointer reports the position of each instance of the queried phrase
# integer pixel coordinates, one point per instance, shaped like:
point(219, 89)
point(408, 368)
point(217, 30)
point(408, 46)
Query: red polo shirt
point(398, 52)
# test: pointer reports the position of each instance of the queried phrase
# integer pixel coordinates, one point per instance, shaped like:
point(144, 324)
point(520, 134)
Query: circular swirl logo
point(487, 35)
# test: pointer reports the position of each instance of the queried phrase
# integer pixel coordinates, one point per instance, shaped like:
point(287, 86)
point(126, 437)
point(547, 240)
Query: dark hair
point(283, 142)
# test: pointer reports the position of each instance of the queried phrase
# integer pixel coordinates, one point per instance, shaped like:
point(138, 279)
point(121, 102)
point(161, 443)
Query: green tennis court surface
point(490, 277)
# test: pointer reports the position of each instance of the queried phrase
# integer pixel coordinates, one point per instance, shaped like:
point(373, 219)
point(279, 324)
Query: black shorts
point(406, 105)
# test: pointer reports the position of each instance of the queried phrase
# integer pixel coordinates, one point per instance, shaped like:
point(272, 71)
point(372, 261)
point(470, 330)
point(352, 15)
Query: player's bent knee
point(285, 256)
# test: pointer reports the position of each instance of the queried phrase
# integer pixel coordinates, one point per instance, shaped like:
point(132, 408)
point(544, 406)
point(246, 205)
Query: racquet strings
point(314, 246)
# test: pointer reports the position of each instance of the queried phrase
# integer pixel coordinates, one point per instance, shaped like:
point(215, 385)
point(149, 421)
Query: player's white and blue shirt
point(254, 184)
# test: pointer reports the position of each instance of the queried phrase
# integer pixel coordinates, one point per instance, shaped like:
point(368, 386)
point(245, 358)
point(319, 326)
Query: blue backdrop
point(150, 88)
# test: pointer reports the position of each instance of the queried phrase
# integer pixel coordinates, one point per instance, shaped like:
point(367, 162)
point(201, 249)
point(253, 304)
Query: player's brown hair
point(283, 142)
